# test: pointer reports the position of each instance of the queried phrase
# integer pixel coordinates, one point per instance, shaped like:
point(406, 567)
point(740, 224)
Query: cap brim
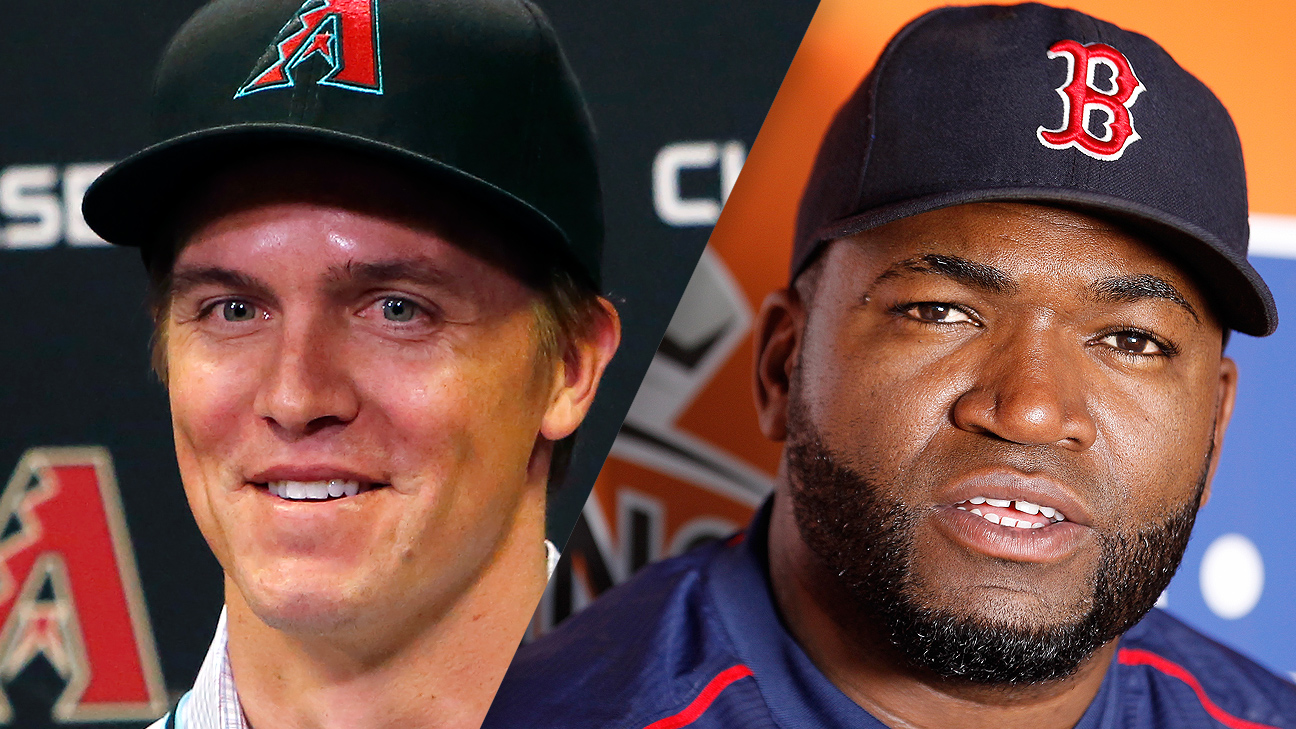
point(1233, 287)
point(134, 202)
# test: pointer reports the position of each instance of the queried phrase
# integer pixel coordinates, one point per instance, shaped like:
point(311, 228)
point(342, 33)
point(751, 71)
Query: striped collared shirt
point(213, 703)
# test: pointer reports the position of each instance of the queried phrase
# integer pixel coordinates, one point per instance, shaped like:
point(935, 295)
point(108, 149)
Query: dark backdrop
point(74, 81)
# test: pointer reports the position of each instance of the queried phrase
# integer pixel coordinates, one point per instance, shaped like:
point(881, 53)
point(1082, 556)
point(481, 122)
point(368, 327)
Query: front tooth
point(993, 518)
point(1008, 521)
point(335, 488)
point(999, 502)
point(1048, 511)
point(317, 490)
point(350, 488)
point(977, 500)
point(295, 490)
point(1027, 507)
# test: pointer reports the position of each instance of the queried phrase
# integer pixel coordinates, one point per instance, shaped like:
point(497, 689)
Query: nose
point(307, 388)
point(1031, 390)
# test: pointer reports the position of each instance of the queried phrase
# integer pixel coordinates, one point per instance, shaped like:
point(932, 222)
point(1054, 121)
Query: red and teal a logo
point(342, 33)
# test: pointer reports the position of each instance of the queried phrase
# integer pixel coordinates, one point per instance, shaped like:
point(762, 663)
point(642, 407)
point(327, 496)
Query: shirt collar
point(214, 703)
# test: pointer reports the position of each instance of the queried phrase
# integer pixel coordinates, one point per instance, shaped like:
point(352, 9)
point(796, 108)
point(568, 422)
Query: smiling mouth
point(1016, 513)
point(330, 490)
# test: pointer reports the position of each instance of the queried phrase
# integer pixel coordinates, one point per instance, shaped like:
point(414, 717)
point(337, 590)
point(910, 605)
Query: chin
point(1014, 609)
point(320, 606)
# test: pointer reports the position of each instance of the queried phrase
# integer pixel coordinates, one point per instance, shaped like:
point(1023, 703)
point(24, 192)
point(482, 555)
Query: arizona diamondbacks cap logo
point(1082, 95)
point(341, 33)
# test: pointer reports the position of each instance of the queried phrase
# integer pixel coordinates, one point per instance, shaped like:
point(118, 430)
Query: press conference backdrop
point(108, 595)
point(690, 465)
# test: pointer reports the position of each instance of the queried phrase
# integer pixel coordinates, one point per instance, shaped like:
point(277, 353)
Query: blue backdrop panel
point(1252, 497)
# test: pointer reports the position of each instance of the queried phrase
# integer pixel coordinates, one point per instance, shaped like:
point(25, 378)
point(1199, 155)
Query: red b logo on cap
point(1081, 97)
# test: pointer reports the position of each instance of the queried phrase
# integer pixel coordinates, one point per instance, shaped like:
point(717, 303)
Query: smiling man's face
point(1000, 422)
point(356, 401)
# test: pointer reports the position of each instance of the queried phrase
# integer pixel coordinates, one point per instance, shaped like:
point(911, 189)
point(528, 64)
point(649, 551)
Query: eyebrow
point(1114, 289)
point(184, 280)
point(415, 270)
point(971, 273)
point(1138, 287)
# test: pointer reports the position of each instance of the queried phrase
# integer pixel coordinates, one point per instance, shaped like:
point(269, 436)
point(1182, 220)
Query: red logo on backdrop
point(1083, 95)
point(69, 590)
point(341, 33)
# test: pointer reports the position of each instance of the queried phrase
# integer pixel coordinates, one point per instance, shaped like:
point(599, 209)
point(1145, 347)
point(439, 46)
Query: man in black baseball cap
point(373, 232)
point(998, 373)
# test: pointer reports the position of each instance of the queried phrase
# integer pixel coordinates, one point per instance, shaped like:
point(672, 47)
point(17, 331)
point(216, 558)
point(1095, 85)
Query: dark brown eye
point(1133, 343)
point(937, 312)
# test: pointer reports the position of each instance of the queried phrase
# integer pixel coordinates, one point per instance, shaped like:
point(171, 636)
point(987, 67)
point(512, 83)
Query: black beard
point(867, 542)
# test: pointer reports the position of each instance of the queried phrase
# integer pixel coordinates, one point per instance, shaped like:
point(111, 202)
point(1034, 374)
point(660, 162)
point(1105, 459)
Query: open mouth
point(330, 490)
point(1015, 513)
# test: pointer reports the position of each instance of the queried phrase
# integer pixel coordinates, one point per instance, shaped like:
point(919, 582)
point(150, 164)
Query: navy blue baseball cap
point(470, 96)
point(1031, 103)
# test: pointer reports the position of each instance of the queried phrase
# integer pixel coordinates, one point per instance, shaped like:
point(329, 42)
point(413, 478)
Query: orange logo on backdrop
point(689, 465)
point(69, 590)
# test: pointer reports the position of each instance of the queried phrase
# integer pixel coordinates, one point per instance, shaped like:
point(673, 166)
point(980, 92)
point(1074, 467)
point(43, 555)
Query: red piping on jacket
point(698, 706)
point(1135, 657)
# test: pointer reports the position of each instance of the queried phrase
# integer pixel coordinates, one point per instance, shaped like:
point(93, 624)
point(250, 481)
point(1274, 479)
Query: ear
point(1225, 397)
point(576, 377)
point(780, 326)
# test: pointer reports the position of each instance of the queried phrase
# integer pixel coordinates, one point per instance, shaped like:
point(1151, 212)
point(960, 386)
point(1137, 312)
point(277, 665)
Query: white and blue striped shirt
point(213, 701)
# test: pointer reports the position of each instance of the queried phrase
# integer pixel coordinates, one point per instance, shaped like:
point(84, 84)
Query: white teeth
point(961, 508)
point(1007, 521)
point(313, 490)
point(1026, 506)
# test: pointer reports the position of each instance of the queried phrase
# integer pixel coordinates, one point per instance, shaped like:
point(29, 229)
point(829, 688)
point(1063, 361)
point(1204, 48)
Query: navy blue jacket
point(695, 642)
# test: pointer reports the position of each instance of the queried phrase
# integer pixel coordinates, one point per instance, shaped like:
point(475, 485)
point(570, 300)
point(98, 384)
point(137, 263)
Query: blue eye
point(399, 310)
point(238, 311)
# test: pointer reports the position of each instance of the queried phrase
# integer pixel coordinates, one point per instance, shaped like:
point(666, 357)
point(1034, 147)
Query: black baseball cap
point(1032, 103)
point(472, 95)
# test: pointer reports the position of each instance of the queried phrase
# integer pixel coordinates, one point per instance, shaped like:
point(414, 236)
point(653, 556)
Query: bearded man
point(998, 372)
